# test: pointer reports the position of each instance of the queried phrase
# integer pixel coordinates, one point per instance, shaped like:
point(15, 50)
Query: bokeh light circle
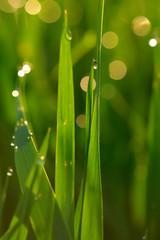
point(32, 7)
point(117, 70)
point(50, 11)
point(141, 26)
point(81, 121)
point(110, 40)
point(84, 83)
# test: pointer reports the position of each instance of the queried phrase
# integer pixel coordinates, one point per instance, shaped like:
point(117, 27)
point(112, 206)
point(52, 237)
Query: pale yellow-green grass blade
point(89, 110)
point(92, 215)
point(18, 227)
point(45, 216)
point(65, 142)
point(153, 181)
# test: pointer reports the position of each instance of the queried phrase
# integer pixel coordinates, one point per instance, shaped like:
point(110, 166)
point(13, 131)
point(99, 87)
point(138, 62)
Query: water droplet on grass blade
point(12, 144)
point(68, 35)
point(16, 148)
point(10, 172)
point(94, 63)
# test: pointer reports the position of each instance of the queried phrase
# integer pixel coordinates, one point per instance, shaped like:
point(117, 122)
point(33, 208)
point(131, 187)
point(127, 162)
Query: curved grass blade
point(65, 142)
point(89, 110)
point(45, 216)
point(18, 227)
point(153, 187)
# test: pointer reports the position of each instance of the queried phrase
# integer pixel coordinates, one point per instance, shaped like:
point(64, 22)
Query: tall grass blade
point(45, 216)
point(89, 110)
point(92, 216)
point(153, 188)
point(65, 142)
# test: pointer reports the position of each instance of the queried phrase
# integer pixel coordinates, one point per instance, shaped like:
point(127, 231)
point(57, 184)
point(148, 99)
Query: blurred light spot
point(25, 122)
point(108, 91)
point(17, 3)
point(6, 7)
point(15, 93)
point(32, 7)
point(75, 12)
point(153, 42)
point(42, 158)
point(26, 68)
point(50, 11)
point(81, 121)
point(12, 144)
point(141, 26)
point(84, 83)
point(110, 40)
point(117, 70)
point(21, 73)
point(25, 50)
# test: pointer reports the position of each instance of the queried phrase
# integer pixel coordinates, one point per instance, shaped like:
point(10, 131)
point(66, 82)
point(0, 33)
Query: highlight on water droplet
point(16, 148)
point(26, 68)
point(15, 93)
point(84, 83)
point(141, 26)
point(153, 42)
point(108, 91)
point(68, 35)
point(21, 73)
point(10, 172)
point(110, 40)
point(50, 11)
point(12, 144)
point(17, 3)
point(117, 70)
point(81, 121)
point(94, 63)
point(25, 122)
point(33, 7)
point(42, 158)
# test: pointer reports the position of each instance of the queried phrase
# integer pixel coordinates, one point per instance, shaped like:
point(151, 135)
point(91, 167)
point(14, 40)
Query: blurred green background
point(31, 34)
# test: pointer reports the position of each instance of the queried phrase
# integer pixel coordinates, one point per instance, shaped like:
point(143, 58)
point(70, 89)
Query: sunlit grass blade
point(45, 216)
point(92, 215)
point(89, 110)
point(18, 227)
point(65, 142)
point(153, 188)
point(3, 197)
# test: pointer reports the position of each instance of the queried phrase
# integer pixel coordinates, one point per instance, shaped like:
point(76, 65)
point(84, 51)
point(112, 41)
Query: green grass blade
point(18, 227)
point(46, 218)
point(153, 188)
point(89, 110)
point(92, 216)
point(65, 142)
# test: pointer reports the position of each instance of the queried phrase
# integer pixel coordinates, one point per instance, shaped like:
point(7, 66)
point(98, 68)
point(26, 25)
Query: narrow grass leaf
point(89, 110)
point(92, 215)
point(45, 216)
point(65, 142)
point(153, 188)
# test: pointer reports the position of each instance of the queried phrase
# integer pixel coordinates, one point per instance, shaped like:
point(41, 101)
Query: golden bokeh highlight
point(141, 26)
point(17, 3)
point(84, 83)
point(81, 121)
point(15, 93)
point(117, 70)
point(6, 7)
point(32, 7)
point(50, 11)
point(75, 12)
point(108, 91)
point(110, 40)
point(153, 42)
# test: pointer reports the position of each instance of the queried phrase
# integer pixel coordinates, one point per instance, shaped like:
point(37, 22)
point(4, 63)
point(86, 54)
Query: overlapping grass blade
point(65, 142)
point(153, 188)
point(18, 227)
point(89, 110)
point(92, 215)
point(46, 218)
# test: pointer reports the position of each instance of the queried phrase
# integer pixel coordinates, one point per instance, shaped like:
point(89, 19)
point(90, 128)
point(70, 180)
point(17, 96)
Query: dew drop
point(16, 148)
point(42, 158)
point(94, 64)
point(12, 144)
point(10, 172)
point(68, 35)
point(25, 122)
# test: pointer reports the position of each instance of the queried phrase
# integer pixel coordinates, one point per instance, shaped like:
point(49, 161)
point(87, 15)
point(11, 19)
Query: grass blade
point(18, 227)
point(65, 147)
point(46, 218)
point(92, 205)
point(153, 189)
point(89, 110)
